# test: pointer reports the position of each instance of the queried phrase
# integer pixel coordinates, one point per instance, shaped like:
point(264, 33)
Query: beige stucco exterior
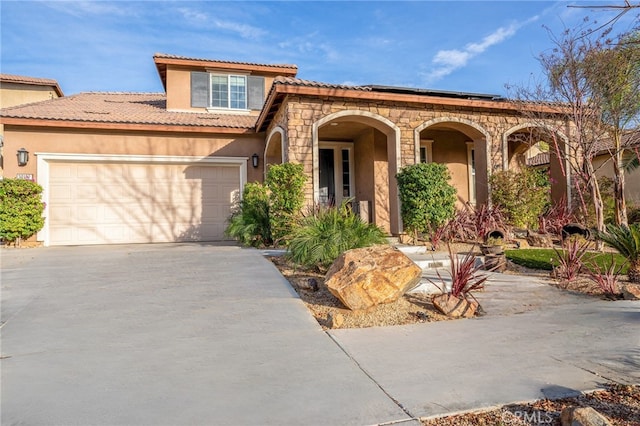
point(604, 167)
point(19, 92)
point(376, 131)
point(104, 142)
point(12, 94)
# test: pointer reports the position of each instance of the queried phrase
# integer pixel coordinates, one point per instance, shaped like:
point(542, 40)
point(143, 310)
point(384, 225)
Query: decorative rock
point(335, 320)
point(310, 285)
point(539, 240)
point(365, 277)
point(582, 416)
point(631, 291)
point(455, 307)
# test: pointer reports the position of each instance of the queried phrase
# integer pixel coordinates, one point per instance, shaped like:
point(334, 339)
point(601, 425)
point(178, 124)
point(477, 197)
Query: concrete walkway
point(205, 335)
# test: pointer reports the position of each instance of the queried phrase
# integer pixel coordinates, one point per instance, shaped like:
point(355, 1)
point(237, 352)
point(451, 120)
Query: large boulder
point(365, 277)
point(631, 291)
point(582, 416)
point(455, 307)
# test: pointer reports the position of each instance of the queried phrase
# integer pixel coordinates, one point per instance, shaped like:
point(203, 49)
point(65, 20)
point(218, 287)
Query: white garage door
point(107, 203)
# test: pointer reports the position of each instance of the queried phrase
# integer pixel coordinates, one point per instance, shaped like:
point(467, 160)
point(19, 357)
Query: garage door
point(108, 203)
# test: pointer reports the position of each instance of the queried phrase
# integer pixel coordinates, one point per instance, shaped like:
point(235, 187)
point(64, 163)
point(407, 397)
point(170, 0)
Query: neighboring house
point(603, 165)
point(151, 167)
point(20, 90)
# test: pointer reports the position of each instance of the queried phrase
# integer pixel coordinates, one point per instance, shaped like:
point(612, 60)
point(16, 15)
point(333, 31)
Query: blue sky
point(471, 46)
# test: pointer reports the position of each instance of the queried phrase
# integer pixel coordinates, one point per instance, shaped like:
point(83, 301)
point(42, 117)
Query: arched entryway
point(274, 150)
point(463, 146)
point(530, 145)
point(356, 157)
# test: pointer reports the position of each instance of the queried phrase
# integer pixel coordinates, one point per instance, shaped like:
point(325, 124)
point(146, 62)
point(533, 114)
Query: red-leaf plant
point(570, 258)
point(607, 278)
point(465, 275)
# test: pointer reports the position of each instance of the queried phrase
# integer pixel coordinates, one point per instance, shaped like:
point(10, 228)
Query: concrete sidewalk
point(169, 334)
point(451, 366)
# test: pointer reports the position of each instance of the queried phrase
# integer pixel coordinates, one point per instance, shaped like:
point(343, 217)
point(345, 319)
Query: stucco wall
point(106, 142)
point(12, 94)
point(604, 167)
point(179, 89)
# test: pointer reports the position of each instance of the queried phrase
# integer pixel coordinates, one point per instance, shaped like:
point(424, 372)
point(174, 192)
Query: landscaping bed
point(619, 403)
point(331, 313)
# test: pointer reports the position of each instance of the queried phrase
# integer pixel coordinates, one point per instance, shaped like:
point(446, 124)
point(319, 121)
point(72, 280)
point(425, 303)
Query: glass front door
point(335, 166)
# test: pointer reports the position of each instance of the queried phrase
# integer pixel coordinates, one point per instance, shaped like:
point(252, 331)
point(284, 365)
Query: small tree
point(286, 198)
point(427, 199)
point(21, 209)
point(522, 196)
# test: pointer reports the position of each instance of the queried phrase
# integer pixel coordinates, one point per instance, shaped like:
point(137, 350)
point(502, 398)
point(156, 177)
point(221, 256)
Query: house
point(603, 164)
point(152, 167)
point(20, 90)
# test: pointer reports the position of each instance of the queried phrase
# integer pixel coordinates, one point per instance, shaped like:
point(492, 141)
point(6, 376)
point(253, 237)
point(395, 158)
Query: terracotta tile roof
point(21, 79)
point(125, 108)
point(186, 58)
point(539, 160)
point(291, 81)
point(630, 139)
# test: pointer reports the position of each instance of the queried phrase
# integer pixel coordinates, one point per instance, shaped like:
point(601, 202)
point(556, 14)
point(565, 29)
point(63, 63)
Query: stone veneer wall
point(298, 113)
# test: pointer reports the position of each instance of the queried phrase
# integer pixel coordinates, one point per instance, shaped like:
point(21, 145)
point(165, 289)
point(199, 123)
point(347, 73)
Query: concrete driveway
point(189, 334)
point(170, 334)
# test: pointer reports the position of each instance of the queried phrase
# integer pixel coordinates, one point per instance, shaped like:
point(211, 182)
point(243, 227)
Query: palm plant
point(327, 233)
point(626, 240)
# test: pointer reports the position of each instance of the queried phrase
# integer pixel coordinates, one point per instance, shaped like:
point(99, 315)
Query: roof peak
point(221, 61)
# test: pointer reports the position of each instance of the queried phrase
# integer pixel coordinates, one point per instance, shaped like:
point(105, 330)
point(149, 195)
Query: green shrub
point(427, 199)
point(328, 233)
point(286, 198)
point(250, 224)
point(21, 209)
point(521, 195)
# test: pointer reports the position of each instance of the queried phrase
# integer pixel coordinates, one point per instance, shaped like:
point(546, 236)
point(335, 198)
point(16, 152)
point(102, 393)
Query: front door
point(335, 173)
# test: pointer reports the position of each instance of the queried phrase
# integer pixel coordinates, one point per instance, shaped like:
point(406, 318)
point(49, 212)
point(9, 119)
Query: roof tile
point(186, 58)
point(126, 108)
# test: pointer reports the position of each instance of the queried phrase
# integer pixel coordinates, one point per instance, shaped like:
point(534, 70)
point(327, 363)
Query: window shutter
point(199, 89)
point(255, 92)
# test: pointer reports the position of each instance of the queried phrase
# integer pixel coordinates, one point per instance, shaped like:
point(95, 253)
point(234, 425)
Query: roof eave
point(97, 125)
point(280, 89)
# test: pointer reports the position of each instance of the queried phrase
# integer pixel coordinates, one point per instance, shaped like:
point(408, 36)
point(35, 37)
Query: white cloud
point(193, 16)
point(244, 30)
point(85, 7)
point(202, 20)
point(448, 61)
point(308, 45)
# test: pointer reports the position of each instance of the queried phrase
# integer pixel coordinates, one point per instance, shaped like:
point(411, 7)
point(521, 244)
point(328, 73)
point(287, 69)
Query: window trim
point(210, 107)
point(471, 171)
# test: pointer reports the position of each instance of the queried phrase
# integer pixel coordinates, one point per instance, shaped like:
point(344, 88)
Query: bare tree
point(566, 98)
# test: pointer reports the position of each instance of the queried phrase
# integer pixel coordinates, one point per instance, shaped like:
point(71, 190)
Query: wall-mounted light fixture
point(254, 160)
point(23, 157)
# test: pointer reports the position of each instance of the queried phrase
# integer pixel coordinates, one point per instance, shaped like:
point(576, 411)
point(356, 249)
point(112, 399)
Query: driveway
point(169, 334)
point(195, 334)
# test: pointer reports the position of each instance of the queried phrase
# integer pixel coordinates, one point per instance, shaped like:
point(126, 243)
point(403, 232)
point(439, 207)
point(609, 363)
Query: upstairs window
point(229, 91)
point(226, 91)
